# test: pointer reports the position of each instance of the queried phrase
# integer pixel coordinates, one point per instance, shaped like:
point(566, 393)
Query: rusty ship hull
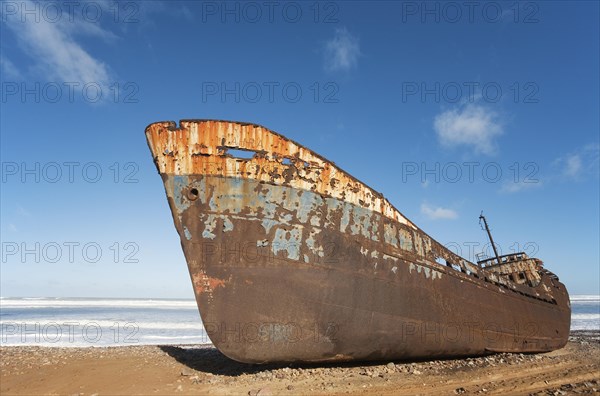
point(293, 259)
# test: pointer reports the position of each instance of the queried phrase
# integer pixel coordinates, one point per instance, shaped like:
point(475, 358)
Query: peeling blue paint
point(389, 235)
point(310, 243)
point(227, 224)
point(428, 272)
point(180, 185)
point(315, 220)
point(278, 207)
point(209, 226)
point(268, 224)
point(291, 245)
point(208, 235)
point(308, 202)
point(285, 219)
point(406, 242)
point(345, 218)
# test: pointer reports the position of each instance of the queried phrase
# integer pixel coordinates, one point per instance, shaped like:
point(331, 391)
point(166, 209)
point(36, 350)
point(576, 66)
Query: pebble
point(341, 376)
point(264, 392)
point(186, 372)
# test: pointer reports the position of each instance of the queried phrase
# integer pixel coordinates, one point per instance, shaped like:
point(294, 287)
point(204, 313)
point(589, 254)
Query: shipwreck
point(293, 259)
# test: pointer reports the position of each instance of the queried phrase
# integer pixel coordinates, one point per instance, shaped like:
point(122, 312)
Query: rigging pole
point(482, 217)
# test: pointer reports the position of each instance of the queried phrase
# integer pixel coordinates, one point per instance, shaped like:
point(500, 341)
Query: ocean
point(87, 322)
point(585, 312)
point(82, 322)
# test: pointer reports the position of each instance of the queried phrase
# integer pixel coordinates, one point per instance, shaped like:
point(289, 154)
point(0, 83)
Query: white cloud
point(186, 13)
point(579, 163)
point(472, 125)
point(52, 46)
point(21, 211)
point(9, 70)
point(512, 187)
point(572, 165)
point(436, 213)
point(342, 51)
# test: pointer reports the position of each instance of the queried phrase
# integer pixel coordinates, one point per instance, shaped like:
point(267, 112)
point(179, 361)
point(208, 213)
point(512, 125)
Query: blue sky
point(445, 108)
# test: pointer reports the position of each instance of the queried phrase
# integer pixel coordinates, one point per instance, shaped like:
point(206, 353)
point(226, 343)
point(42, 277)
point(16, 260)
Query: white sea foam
point(85, 344)
point(85, 303)
point(108, 324)
point(592, 316)
point(585, 324)
point(585, 297)
point(585, 312)
point(176, 337)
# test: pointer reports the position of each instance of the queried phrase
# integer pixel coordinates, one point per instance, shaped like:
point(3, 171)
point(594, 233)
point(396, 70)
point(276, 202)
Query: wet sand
point(182, 370)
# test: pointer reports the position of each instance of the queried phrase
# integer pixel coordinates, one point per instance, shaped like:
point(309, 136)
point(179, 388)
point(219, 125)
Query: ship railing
point(552, 275)
point(505, 259)
point(508, 280)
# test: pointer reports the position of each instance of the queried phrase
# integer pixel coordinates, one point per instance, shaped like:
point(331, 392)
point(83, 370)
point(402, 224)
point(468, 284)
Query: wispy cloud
point(579, 163)
point(511, 187)
point(185, 12)
point(21, 211)
point(342, 51)
point(472, 125)
point(9, 70)
point(145, 13)
point(53, 48)
point(572, 165)
point(438, 213)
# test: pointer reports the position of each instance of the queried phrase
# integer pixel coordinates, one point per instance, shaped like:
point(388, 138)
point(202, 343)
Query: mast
point(482, 217)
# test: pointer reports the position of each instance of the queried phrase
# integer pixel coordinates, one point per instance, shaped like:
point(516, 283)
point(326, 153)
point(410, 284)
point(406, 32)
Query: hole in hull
point(240, 153)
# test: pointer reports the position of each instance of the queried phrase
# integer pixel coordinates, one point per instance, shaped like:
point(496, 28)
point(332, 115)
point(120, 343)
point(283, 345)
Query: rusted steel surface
point(293, 259)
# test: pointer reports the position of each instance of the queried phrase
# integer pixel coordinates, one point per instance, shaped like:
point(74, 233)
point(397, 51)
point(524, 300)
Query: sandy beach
point(184, 370)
